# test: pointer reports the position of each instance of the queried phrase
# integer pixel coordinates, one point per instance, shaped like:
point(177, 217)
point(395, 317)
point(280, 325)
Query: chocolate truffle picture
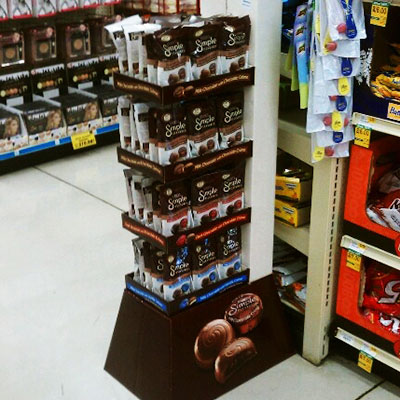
point(233, 357)
point(245, 312)
point(212, 338)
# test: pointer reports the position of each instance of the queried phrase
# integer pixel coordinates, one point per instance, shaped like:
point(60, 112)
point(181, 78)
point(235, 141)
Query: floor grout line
point(78, 188)
point(370, 390)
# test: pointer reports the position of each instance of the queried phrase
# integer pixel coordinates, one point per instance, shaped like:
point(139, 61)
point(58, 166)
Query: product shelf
point(32, 155)
point(395, 3)
point(298, 238)
point(377, 124)
point(372, 252)
point(363, 345)
point(290, 305)
point(292, 135)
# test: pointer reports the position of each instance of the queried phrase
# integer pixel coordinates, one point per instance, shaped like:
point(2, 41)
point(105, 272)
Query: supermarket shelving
point(377, 124)
point(324, 233)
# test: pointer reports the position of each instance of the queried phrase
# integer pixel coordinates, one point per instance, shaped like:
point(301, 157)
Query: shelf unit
point(320, 240)
point(377, 124)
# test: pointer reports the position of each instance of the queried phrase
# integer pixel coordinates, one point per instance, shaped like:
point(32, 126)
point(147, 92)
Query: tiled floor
point(64, 256)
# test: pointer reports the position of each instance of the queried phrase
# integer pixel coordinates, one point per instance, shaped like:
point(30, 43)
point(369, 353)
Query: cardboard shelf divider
point(192, 90)
point(194, 235)
point(187, 168)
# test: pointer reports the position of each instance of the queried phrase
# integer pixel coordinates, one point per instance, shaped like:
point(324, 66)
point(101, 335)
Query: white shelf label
point(357, 247)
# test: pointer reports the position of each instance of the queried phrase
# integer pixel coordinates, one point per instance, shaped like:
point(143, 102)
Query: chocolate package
point(135, 144)
point(138, 259)
point(174, 208)
point(41, 42)
point(229, 248)
point(173, 143)
point(153, 137)
point(12, 134)
point(141, 115)
point(203, 48)
point(43, 121)
point(206, 196)
point(235, 38)
point(3, 10)
point(74, 41)
point(151, 60)
point(230, 118)
point(232, 190)
point(170, 49)
point(124, 119)
point(20, 8)
point(128, 182)
point(155, 260)
point(205, 264)
point(12, 50)
point(44, 8)
point(202, 128)
point(177, 274)
point(147, 188)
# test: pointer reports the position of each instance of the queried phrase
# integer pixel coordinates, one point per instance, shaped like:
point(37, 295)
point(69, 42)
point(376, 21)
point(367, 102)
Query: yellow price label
point(81, 140)
point(353, 260)
point(365, 361)
point(379, 13)
point(362, 136)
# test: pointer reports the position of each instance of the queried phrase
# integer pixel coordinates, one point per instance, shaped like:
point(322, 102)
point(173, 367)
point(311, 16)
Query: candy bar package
point(205, 264)
point(170, 50)
point(147, 188)
point(155, 198)
point(232, 190)
point(138, 260)
point(138, 197)
point(177, 274)
point(11, 48)
point(124, 119)
point(128, 181)
point(155, 260)
point(174, 208)
point(134, 134)
point(230, 118)
point(229, 248)
point(382, 284)
point(202, 128)
point(386, 322)
point(43, 121)
point(41, 43)
point(235, 37)
point(12, 133)
point(203, 48)
point(74, 41)
point(20, 8)
point(153, 139)
point(173, 144)
point(141, 115)
point(151, 61)
point(206, 196)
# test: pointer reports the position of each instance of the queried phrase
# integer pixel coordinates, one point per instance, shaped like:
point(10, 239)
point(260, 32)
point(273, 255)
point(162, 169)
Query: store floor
point(63, 260)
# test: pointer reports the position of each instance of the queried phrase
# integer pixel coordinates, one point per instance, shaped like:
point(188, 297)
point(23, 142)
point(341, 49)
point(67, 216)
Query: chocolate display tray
point(196, 234)
point(186, 90)
point(191, 299)
point(190, 167)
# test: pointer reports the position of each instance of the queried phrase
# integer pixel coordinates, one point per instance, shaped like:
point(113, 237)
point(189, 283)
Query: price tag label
point(353, 260)
point(362, 136)
point(379, 13)
point(81, 140)
point(365, 361)
point(357, 247)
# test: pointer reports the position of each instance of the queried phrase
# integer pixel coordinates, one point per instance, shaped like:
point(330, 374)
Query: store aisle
point(64, 255)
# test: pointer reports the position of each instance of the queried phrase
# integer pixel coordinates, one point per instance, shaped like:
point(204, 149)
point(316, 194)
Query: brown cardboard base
point(152, 355)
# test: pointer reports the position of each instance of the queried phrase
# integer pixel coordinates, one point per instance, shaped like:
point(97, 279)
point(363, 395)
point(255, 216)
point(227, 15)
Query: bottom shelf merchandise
point(290, 275)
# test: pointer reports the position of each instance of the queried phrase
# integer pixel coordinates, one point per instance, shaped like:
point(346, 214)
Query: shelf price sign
point(379, 13)
point(82, 140)
point(365, 361)
point(353, 260)
point(362, 136)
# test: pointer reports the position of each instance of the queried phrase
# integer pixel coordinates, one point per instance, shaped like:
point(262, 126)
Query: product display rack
point(320, 239)
point(377, 124)
point(49, 151)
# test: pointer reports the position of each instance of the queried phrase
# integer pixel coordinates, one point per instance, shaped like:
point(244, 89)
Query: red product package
point(386, 322)
point(382, 289)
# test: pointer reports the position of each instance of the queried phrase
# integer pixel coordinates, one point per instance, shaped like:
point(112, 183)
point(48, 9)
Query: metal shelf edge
point(377, 124)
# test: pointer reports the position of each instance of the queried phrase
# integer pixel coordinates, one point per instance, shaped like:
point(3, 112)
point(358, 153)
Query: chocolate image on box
point(9, 124)
point(177, 274)
point(202, 127)
point(42, 43)
point(232, 190)
point(78, 108)
point(40, 116)
point(174, 208)
point(229, 248)
point(203, 48)
point(233, 357)
point(245, 312)
point(205, 263)
point(108, 98)
point(206, 192)
point(11, 48)
point(212, 338)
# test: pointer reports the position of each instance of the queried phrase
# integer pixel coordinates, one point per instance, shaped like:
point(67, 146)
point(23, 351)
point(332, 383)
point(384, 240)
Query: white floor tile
point(386, 391)
point(97, 172)
point(64, 256)
point(297, 379)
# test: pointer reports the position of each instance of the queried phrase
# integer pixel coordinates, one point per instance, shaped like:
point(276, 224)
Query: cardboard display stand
point(152, 354)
